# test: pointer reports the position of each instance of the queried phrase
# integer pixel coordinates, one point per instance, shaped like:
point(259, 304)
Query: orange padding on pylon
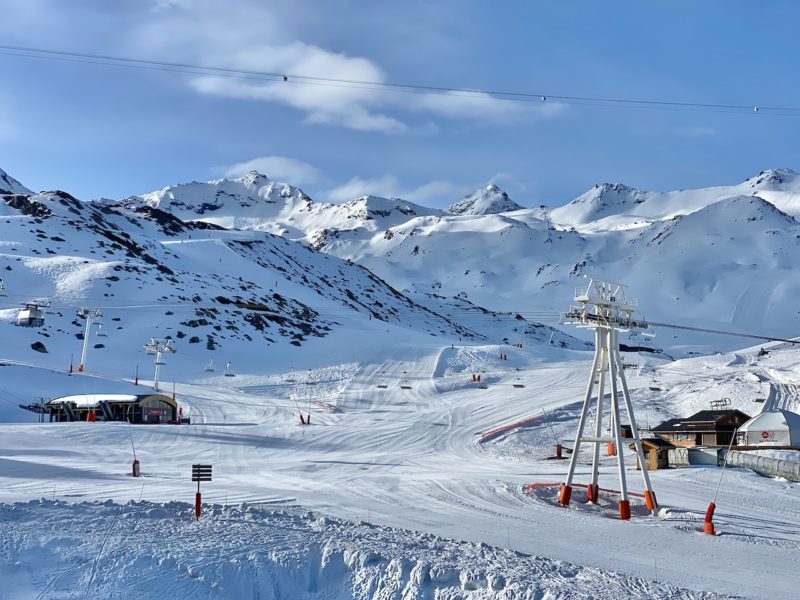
point(532, 486)
point(650, 500)
point(708, 528)
point(624, 510)
point(564, 494)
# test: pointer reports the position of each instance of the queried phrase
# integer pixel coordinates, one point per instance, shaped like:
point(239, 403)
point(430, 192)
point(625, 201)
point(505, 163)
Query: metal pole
point(598, 430)
point(566, 490)
point(85, 341)
point(158, 365)
point(624, 505)
point(649, 494)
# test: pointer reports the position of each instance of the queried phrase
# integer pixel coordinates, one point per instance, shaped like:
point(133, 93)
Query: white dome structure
point(771, 428)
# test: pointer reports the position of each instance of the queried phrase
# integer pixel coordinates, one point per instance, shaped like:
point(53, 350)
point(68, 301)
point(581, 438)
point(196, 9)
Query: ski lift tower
point(604, 307)
point(158, 347)
point(91, 315)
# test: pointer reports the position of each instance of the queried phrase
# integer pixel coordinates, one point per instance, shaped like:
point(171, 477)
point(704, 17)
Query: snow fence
point(772, 467)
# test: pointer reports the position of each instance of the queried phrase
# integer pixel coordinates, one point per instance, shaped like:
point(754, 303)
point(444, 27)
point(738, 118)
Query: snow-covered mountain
point(255, 202)
point(220, 293)
point(9, 185)
point(489, 200)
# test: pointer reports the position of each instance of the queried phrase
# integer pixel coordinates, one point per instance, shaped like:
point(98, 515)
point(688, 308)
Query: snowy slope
point(9, 185)
point(715, 256)
point(393, 490)
point(221, 295)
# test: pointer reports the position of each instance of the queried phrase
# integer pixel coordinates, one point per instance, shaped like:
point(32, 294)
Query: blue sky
point(100, 131)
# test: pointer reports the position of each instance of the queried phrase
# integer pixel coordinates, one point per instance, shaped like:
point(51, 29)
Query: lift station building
point(142, 408)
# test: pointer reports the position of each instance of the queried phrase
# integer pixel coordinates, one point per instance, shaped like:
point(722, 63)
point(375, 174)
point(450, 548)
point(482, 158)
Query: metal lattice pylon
point(604, 307)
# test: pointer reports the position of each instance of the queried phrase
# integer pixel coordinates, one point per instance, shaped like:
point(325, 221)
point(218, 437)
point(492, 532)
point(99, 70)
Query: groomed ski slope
point(409, 459)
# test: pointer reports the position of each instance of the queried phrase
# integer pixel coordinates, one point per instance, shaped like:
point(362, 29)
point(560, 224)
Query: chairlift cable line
point(54, 54)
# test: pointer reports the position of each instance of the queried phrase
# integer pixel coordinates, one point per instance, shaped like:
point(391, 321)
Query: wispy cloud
point(232, 35)
point(388, 186)
point(293, 171)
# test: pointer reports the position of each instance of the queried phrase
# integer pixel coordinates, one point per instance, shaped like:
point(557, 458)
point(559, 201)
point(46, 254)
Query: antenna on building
point(604, 307)
point(158, 347)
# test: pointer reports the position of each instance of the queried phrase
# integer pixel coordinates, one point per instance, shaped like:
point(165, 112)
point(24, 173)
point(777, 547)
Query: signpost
point(199, 473)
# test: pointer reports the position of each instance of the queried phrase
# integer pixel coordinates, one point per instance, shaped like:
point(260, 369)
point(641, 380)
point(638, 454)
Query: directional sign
point(201, 473)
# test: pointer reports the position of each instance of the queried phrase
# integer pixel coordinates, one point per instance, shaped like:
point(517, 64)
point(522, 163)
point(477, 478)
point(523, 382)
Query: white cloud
point(290, 170)
point(388, 186)
point(385, 185)
point(482, 106)
point(244, 34)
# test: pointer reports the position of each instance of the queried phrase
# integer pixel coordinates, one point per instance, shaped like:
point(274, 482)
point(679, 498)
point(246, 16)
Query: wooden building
point(142, 408)
point(705, 428)
point(656, 453)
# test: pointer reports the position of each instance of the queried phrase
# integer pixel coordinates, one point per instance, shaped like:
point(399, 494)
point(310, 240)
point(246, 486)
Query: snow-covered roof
point(773, 420)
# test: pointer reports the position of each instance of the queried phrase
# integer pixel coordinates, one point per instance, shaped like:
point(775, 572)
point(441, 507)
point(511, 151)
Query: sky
point(100, 131)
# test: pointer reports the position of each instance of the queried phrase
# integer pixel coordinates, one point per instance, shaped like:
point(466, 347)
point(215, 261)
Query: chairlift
point(228, 370)
point(210, 366)
point(100, 331)
point(404, 383)
point(518, 383)
point(290, 378)
point(383, 385)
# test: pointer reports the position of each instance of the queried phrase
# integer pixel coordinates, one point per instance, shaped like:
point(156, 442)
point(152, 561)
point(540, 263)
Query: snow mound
point(489, 200)
point(144, 550)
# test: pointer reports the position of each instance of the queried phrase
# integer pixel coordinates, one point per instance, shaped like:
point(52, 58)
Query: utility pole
point(604, 307)
point(90, 314)
point(158, 347)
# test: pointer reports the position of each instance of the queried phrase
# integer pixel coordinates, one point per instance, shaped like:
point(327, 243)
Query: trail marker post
point(199, 473)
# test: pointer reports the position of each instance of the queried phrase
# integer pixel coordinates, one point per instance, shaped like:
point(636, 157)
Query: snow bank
point(142, 550)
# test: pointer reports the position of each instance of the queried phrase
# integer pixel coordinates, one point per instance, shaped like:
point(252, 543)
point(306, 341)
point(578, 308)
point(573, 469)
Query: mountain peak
point(774, 178)
point(254, 179)
point(9, 185)
point(487, 200)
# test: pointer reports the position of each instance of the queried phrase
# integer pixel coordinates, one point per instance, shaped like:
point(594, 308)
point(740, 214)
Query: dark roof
point(713, 415)
point(657, 442)
point(705, 420)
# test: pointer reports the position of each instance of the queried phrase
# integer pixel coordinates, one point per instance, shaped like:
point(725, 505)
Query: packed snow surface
point(409, 480)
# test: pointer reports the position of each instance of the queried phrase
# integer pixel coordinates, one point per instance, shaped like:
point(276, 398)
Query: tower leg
point(650, 496)
point(566, 489)
point(592, 490)
point(624, 503)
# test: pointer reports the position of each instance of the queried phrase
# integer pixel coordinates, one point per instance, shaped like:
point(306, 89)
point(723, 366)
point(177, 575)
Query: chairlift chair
point(382, 385)
point(518, 383)
point(100, 331)
point(228, 371)
point(210, 366)
point(404, 383)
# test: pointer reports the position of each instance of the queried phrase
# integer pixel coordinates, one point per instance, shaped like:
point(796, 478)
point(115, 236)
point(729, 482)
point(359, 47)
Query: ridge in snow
point(489, 200)
point(9, 185)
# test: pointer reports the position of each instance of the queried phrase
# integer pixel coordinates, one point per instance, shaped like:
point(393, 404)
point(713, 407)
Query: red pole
point(708, 524)
point(197, 504)
point(136, 381)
